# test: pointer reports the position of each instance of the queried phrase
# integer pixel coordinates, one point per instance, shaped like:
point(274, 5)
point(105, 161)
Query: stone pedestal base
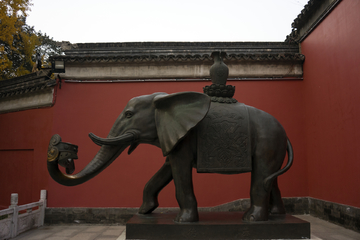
point(215, 225)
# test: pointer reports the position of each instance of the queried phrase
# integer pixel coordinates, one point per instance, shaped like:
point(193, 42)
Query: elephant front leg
point(153, 187)
point(181, 165)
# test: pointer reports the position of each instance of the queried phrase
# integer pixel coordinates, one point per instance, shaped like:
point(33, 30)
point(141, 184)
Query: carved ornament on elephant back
point(224, 139)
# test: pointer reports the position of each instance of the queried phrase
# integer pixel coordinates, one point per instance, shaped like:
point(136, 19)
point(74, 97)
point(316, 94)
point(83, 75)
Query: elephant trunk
point(104, 157)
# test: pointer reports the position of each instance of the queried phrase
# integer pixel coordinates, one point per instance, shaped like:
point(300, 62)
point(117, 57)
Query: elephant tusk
point(125, 138)
point(132, 147)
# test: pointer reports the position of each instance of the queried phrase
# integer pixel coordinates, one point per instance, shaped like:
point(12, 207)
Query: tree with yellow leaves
point(18, 41)
point(15, 40)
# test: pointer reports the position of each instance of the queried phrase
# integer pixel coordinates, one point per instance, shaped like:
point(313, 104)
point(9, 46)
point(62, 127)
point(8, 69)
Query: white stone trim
point(118, 71)
point(37, 99)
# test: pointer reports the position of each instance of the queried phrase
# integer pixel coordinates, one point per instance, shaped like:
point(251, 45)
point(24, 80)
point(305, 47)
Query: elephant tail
point(269, 179)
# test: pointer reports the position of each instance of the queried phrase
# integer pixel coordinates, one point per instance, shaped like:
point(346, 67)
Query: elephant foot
point(277, 210)
point(148, 206)
point(187, 216)
point(255, 213)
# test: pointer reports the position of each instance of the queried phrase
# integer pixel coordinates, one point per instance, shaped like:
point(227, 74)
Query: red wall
point(320, 114)
point(332, 105)
point(93, 107)
point(23, 149)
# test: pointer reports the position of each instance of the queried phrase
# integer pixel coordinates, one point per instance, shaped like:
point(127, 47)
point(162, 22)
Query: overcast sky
point(80, 21)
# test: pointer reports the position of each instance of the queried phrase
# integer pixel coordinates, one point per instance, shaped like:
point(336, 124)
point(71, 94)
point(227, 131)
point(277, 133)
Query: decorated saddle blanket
point(224, 139)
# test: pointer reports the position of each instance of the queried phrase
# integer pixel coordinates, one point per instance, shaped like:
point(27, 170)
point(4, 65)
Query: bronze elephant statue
point(183, 125)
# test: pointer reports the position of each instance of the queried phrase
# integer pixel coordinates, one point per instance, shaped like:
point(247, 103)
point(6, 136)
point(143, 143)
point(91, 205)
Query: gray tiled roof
point(179, 51)
point(26, 84)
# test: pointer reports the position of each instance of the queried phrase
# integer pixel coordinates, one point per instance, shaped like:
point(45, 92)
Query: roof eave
point(310, 17)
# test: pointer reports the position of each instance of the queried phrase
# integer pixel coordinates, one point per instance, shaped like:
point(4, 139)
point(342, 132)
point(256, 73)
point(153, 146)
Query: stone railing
point(17, 219)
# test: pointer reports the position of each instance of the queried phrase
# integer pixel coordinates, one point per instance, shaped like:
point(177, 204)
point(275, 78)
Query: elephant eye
point(129, 114)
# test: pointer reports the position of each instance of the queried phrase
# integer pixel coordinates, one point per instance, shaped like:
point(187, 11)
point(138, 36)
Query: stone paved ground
point(320, 230)
point(73, 232)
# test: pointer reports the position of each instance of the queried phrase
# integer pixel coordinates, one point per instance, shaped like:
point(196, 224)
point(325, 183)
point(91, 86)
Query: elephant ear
point(176, 114)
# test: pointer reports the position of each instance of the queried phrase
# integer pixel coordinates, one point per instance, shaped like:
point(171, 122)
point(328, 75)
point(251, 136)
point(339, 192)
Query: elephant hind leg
point(276, 203)
point(266, 161)
point(153, 187)
point(259, 196)
point(264, 202)
point(259, 200)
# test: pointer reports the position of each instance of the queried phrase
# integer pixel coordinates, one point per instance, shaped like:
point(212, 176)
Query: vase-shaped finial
point(219, 72)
